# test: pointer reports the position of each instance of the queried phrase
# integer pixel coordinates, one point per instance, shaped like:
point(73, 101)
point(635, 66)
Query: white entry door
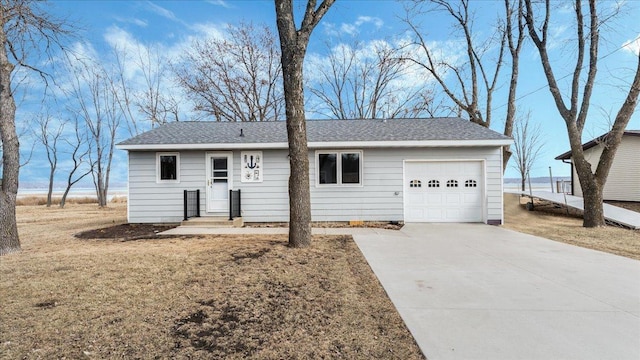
point(219, 181)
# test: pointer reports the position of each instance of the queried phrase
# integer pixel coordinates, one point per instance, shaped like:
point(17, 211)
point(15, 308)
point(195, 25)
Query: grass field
point(212, 297)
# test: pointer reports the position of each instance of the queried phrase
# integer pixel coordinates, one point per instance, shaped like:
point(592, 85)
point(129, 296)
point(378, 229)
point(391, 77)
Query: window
point(433, 183)
point(339, 168)
point(168, 167)
point(415, 183)
point(470, 183)
point(452, 183)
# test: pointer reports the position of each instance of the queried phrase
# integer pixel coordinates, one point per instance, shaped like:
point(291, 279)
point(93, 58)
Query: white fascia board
point(322, 145)
point(216, 146)
point(408, 144)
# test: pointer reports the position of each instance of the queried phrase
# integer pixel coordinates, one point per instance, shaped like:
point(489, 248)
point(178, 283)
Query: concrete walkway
point(616, 214)
point(473, 291)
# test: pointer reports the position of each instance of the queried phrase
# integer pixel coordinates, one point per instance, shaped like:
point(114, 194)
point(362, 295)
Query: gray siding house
point(411, 170)
point(623, 182)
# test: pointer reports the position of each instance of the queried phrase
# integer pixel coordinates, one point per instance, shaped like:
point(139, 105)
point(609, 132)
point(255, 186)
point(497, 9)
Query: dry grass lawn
point(554, 223)
point(211, 297)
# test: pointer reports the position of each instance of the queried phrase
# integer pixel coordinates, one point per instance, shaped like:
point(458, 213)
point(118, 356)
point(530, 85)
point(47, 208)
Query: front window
point(328, 168)
point(339, 168)
point(168, 167)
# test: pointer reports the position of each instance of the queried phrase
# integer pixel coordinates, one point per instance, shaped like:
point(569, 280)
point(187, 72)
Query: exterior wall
point(150, 202)
point(623, 182)
point(379, 198)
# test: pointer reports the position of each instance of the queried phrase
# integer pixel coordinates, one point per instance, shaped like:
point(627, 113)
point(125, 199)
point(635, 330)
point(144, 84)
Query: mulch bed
point(125, 232)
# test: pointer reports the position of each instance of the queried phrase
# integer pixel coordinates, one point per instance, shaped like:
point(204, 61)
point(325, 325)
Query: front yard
point(188, 297)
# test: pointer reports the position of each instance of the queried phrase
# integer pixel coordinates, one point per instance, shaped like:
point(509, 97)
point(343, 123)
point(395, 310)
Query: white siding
point(151, 202)
point(623, 182)
point(380, 198)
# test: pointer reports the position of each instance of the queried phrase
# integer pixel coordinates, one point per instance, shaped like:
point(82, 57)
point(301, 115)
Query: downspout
point(572, 182)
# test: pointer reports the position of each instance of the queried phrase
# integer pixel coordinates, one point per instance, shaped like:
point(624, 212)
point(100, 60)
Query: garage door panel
point(472, 199)
point(432, 214)
point(434, 201)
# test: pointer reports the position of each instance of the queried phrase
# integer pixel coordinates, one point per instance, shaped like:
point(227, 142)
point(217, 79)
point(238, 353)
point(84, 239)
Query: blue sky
point(172, 25)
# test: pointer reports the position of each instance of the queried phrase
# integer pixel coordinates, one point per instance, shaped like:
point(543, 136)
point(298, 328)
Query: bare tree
point(93, 90)
point(49, 133)
point(473, 75)
point(515, 39)
point(156, 104)
point(24, 26)
point(527, 144)
point(79, 150)
point(293, 44)
point(575, 108)
point(153, 102)
point(475, 79)
point(236, 78)
point(362, 82)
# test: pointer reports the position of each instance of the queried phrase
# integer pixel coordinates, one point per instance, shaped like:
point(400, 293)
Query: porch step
point(213, 222)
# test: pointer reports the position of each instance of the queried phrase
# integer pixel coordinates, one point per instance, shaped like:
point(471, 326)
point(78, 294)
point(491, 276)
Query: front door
point(219, 181)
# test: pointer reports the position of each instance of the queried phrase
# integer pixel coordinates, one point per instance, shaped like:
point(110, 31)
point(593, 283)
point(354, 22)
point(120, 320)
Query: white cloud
point(135, 21)
point(162, 11)
point(633, 45)
point(377, 22)
point(222, 3)
point(352, 29)
point(208, 30)
point(349, 29)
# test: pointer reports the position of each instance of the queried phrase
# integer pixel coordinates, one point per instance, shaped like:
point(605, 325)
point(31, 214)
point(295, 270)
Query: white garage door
point(443, 191)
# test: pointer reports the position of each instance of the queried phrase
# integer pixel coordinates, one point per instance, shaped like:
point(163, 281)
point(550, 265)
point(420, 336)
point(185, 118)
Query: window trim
point(158, 169)
point(339, 167)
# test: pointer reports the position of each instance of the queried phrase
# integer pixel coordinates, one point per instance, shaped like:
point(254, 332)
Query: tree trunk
point(293, 45)
point(50, 191)
point(593, 210)
point(9, 241)
point(299, 191)
point(523, 184)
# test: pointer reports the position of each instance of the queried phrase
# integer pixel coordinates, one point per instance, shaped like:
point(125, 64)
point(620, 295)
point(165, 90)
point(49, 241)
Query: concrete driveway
point(473, 291)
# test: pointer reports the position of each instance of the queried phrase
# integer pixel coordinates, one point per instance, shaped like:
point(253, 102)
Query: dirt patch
point(206, 297)
point(558, 223)
point(125, 232)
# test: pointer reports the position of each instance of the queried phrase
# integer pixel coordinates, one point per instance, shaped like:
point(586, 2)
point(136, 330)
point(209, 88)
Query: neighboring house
point(411, 170)
point(623, 182)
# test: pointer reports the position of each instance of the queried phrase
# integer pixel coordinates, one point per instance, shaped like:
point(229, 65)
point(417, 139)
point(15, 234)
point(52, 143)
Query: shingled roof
point(392, 132)
point(588, 145)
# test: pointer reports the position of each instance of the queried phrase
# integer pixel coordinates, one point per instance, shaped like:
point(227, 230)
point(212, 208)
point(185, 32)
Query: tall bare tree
point(156, 104)
point(94, 93)
point(293, 44)
point(24, 26)
point(471, 84)
point(235, 78)
point(515, 31)
point(363, 81)
point(527, 144)
point(49, 134)
point(79, 150)
point(573, 104)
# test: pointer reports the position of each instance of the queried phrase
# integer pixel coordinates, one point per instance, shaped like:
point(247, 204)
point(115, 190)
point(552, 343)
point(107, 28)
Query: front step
point(213, 222)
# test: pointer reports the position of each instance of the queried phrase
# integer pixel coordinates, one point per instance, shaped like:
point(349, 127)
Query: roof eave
point(320, 145)
point(592, 143)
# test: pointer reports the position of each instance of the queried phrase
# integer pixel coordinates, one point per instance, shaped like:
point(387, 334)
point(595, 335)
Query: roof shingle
point(207, 132)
